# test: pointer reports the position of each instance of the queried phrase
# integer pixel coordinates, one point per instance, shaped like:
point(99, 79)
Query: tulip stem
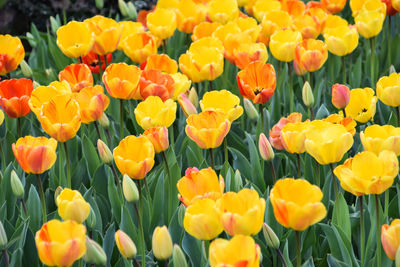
point(344, 113)
point(298, 165)
point(362, 230)
point(19, 128)
point(210, 87)
point(211, 158)
point(135, 262)
point(344, 70)
point(291, 93)
point(335, 186)
point(372, 44)
point(42, 198)
point(226, 150)
point(281, 256)
point(378, 233)
point(312, 113)
point(97, 129)
point(170, 187)
point(3, 158)
point(389, 40)
point(139, 214)
point(271, 164)
point(206, 246)
point(260, 106)
point(69, 183)
point(398, 116)
point(298, 246)
point(116, 178)
point(121, 118)
point(5, 257)
point(171, 135)
point(317, 174)
point(24, 206)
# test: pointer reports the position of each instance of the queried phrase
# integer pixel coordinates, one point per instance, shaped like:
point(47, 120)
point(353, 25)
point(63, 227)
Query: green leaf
point(109, 242)
point(34, 209)
point(255, 162)
point(90, 154)
point(192, 248)
point(336, 243)
point(341, 217)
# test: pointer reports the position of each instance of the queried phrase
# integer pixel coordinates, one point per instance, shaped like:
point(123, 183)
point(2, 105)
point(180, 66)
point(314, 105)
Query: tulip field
point(203, 133)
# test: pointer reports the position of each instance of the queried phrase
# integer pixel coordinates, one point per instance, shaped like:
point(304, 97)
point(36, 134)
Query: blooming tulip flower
point(161, 243)
point(257, 82)
point(122, 81)
point(368, 173)
point(294, 210)
point(60, 117)
point(35, 154)
point(261, 8)
point(240, 250)
point(158, 136)
point(340, 95)
point(327, 142)
point(273, 21)
point(128, 28)
point(359, 6)
point(396, 5)
point(248, 26)
point(199, 184)
point(222, 10)
point(208, 128)
point(283, 44)
point(388, 89)
point(134, 156)
point(242, 213)
point(139, 46)
point(72, 206)
point(154, 112)
point(160, 62)
point(189, 14)
point(369, 23)
point(162, 23)
point(12, 52)
point(294, 7)
point(334, 21)
point(347, 122)
point(311, 54)
point(61, 243)
point(78, 76)
point(246, 53)
point(75, 39)
point(14, 97)
point(318, 11)
point(390, 237)
point(293, 137)
point(125, 244)
point(341, 40)
point(275, 132)
point(390, 11)
point(181, 84)
point(204, 29)
point(202, 220)
point(308, 26)
point(334, 6)
point(376, 138)
point(362, 104)
point(231, 104)
point(92, 103)
point(155, 83)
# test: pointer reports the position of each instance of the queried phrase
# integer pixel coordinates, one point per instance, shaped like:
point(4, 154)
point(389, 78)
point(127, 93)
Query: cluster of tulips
point(152, 94)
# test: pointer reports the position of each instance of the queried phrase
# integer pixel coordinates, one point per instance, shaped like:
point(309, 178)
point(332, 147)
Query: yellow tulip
point(230, 106)
point(388, 90)
point(189, 15)
point(241, 250)
point(293, 137)
point(334, 21)
point(161, 243)
point(362, 104)
point(294, 210)
point(283, 44)
point(128, 28)
point(262, 7)
point(273, 21)
point(199, 184)
point(308, 26)
point(202, 220)
point(154, 112)
point(12, 52)
point(61, 243)
point(359, 6)
point(125, 244)
point(368, 173)
point(248, 26)
point(390, 237)
point(72, 206)
point(376, 138)
point(134, 156)
point(341, 40)
point(162, 23)
point(139, 46)
point(242, 213)
point(181, 84)
point(369, 23)
point(223, 10)
point(327, 142)
point(75, 39)
point(347, 122)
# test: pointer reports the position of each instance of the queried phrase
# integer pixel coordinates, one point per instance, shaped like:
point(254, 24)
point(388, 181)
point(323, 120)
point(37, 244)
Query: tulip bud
point(91, 219)
point(3, 237)
point(94, 253)
point(392, 69)
point(125, 244)
point(186, 105)
point(99, 4)
point(132, 14)
point(130, 189)
point(162, 243)
point(16, 185)
point(238, 182)
point(104, 152)
point(270, 236)
point(340, 95)
point(251, 111)
point(26, 70)
point(308, 97)
point(54, 24)
point(35, 84)
point(123, 8)
point(181, 214)
point(158, 136)
point(193, 97)
point(104, 121)
point(178, 257)
point(266, 151)
point(58, 191)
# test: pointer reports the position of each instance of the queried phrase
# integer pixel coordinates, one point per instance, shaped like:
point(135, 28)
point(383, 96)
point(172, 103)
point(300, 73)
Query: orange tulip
point(311, 54)
point(317, 11)
point(308, 26)
point(14, 97)
point(257, 82)
point(250, 52)
point(160, 62)
point(340, 95)
point(294, 7)
point(275, 132)
point(334, 6)
point(347, 122)
point(78, 76)
point(198, 184)
point(92, 103)
point(390, 11)
point(122, 81)
point(35, 154)
point(390, 237)
point(94, 61)
point(155, 83)
point(139, 46)
point(12, 52)
point(158, 136)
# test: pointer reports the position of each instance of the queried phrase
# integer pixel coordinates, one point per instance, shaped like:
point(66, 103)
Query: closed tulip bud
point(3, 237)
point(392, 69)
point(266, 151)
point(132, 14)
point(94, 252)
point(193, 97)
point(238, 181)
point(99, 4)
point(398, 257)
point(104, 121)
point(270, 237)
point(187, 106)
point(91, 219)
point(58, 191)
point(35, 85)
point(340, 95)
point(181, 214)
point(123, 8)
point(26, 70)
point(308, 96)
point(130, 189)
point(251, 111)
point(162, 243)
point(54, 24)
point(125, 245)
point(16, 185)
point(178, 257)
point(104, 152)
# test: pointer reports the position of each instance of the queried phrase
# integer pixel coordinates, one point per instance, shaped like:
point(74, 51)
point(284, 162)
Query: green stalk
point(271, 164)
point(362, 230)
point(298, 165)
point(140, 213)
point(372, 45)
point(226, 150)
point(170, 186)
point(389, 40)
point(397, 115)
point(19, 128)
point(378, 233)
point(69, 183)
point(116, 178)
point(261, 110)
point(298, 249)
point(335, 186)
point(171, 136)
point(344, 70)
point(121, 118)
point(291, 93)
point(211, 158)
point(42, 198)
point(281, 256)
